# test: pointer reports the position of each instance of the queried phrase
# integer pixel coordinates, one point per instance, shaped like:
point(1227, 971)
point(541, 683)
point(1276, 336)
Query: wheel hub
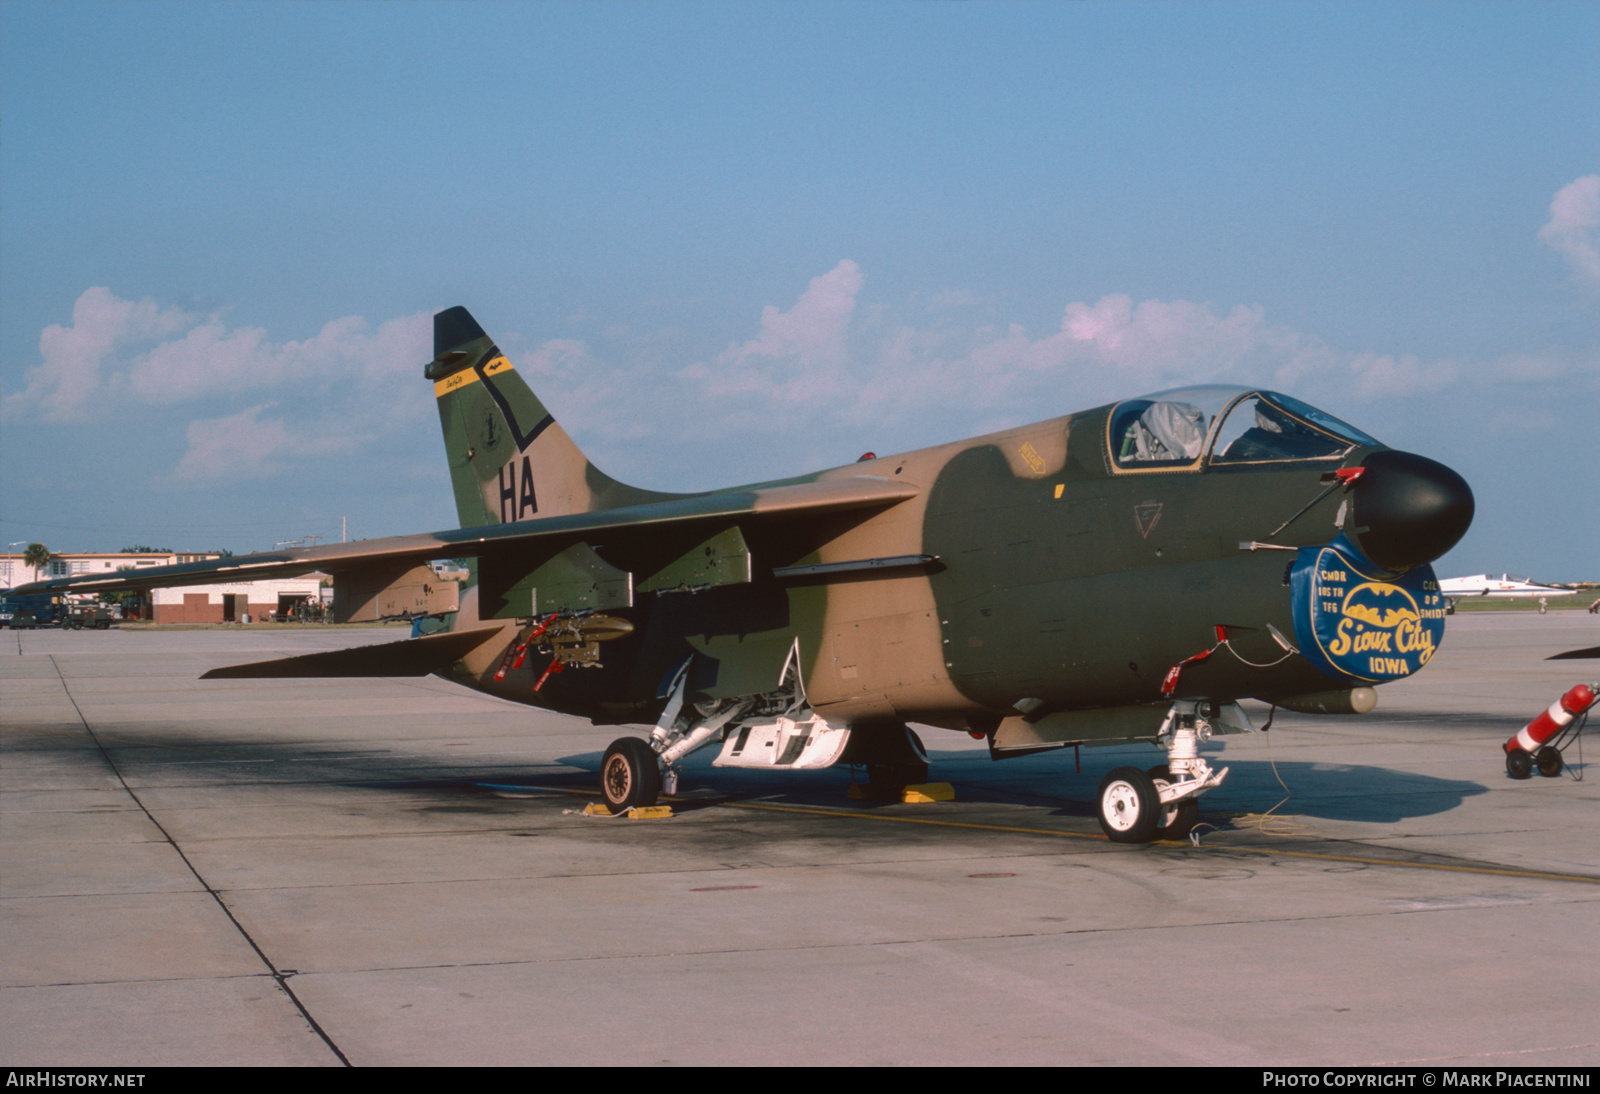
point(618, 780)
point(1122, 806)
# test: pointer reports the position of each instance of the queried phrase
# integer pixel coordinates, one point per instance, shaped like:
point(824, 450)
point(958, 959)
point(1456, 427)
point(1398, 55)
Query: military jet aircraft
point(1124, 573)
point(1506, 586)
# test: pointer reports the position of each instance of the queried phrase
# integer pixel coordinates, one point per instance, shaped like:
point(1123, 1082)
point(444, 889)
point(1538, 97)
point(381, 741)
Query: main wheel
point(1130, 808)
point(1175, 821)
point(1519, 765)
point(630, 775)
point(891, 780)
point(1549, 761)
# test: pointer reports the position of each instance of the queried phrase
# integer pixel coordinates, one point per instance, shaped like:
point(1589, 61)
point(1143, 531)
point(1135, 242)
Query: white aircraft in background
point(1456, 589)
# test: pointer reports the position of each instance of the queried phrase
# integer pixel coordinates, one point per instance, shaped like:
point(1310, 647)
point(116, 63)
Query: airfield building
point(222, 603)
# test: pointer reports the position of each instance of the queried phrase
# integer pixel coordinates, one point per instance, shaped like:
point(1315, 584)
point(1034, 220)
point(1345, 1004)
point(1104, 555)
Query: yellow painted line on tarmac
point(1270, 851)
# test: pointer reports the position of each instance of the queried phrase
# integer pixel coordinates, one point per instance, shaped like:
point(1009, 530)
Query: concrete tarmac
point(399, 872)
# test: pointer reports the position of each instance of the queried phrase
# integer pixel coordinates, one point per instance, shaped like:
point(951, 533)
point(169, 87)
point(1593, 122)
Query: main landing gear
point(630, 775)
point(774, 729)
point(1161, 803)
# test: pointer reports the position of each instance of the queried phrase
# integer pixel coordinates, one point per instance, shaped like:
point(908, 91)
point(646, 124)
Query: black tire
point(1549, 761)
point(1128, 805)
point(1519, 765)
point(891, 780)
point(1176, 821)
point(630, 775)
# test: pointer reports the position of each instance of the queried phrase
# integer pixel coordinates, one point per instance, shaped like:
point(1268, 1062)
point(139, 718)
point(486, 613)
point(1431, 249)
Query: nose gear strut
point(1139, 806)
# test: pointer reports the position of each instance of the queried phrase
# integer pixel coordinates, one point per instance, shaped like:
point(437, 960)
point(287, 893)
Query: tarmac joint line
point(279, 976)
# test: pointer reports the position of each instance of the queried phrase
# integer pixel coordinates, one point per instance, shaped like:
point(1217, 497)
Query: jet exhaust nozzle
point(1409, 510)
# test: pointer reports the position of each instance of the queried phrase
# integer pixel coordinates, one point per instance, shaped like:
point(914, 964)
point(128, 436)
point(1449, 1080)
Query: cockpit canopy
point(1226, 425)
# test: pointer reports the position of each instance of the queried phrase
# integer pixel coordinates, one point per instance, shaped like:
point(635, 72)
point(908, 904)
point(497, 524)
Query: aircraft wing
point(679, 514)
point(408, 657)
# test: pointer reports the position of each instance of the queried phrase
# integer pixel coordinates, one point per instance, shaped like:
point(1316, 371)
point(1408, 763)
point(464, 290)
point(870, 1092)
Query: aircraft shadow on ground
point(1326, 791)
point(1329, 791)
point(1340, 792)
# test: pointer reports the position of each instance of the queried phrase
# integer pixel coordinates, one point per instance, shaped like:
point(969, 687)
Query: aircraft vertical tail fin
point(509, 460)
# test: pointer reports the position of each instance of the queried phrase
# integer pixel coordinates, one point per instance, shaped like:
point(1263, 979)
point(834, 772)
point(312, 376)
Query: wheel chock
point(917, 794)
point(638, 812)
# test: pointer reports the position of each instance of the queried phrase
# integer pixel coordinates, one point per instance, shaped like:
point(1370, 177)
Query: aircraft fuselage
point(1034, 574)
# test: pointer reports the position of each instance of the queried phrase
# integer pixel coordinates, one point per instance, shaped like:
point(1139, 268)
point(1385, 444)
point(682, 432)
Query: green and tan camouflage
point(1127, 572)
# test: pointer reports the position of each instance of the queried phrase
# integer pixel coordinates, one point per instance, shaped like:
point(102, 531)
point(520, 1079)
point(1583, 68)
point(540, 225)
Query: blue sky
point(728, 242)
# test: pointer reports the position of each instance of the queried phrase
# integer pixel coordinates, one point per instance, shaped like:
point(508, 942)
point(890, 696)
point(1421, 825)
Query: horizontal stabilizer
point(409, 657)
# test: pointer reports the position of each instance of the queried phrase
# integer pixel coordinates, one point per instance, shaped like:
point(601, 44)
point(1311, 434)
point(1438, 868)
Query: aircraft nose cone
point(1409, 509)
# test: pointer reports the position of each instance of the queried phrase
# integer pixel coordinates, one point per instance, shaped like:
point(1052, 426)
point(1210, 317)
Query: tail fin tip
point(454, 327)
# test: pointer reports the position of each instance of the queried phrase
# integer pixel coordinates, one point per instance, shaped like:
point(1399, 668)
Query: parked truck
point(87, 614)
point(27, 612)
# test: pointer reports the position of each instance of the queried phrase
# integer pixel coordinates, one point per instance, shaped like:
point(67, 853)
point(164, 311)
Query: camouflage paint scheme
point(1025, 586)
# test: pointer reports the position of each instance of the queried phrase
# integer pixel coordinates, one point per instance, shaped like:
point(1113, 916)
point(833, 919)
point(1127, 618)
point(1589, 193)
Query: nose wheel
point(1130, 806)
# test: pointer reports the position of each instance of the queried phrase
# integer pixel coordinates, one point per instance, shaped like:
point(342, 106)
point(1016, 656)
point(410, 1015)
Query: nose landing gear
point(1178, 818)
point(1159, 804)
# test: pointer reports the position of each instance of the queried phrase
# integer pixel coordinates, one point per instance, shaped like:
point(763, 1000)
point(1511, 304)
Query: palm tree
point(37, 556)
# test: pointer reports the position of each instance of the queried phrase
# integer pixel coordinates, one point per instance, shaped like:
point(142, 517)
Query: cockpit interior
point(1218, 425)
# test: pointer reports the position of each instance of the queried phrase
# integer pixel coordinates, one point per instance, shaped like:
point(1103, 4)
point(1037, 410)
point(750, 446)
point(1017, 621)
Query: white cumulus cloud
point(119, 350)
point(238, 446)
point(797, 354)
point(72, 374)
point(1573, 229)
point(816, 382)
